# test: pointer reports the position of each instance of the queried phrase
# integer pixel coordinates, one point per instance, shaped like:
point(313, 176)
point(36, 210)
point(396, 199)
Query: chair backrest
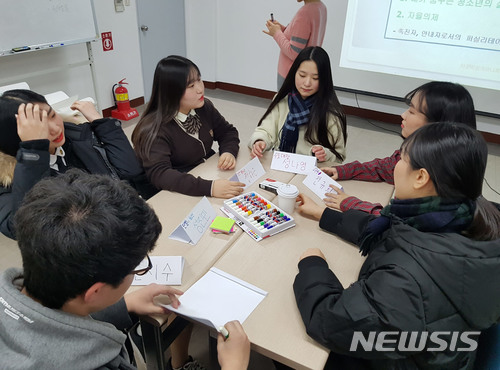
point(488, 351)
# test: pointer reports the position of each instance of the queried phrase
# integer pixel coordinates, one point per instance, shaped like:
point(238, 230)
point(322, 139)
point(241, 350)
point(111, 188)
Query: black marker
point(272, 17)
point(21, 48)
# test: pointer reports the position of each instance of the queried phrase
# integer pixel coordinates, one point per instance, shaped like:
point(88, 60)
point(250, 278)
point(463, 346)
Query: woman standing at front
point(307, 28)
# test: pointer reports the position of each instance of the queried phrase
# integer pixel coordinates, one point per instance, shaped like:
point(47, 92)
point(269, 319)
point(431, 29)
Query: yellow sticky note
point(223, 224)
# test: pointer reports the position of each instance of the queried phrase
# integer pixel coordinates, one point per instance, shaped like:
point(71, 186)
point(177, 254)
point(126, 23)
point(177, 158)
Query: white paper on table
point(195, 224)
point(319, 182)
point(219, 297)
point(250, 173)
point(167, 270)
point(291, 162)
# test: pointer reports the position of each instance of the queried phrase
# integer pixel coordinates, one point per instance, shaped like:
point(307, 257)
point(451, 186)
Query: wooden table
point(171, 209)
point(275, 328)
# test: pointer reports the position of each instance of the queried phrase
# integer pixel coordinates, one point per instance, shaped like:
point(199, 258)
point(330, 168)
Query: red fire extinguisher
point(120, 95)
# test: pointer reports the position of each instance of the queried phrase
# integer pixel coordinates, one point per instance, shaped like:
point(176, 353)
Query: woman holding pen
point(307, 28)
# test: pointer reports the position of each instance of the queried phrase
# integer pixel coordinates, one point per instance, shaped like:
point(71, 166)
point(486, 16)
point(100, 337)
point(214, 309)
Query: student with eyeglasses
point(82, 238)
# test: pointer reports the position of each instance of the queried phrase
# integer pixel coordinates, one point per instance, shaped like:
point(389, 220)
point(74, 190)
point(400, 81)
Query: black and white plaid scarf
point(298, 115)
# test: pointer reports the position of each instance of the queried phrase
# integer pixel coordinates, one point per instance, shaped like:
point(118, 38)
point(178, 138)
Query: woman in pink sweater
point(307, 28)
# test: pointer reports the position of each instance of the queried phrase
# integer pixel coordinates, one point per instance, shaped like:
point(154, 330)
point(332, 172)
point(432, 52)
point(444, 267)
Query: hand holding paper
point(334, 199)
point(142, 302)
point(219, 297)
point(319, 183)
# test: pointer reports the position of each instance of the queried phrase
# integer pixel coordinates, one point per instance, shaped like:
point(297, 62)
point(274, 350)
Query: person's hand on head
point(234, 352)
point(312, 252)
point(141, 301)
point(87, 109)
point(333, 200)
point(258, 148)
point(227, 161)
point(307, 207)
point(32, 122)
point(272, 28)
point(319, 152)
point(226, 189)
point(331, 171)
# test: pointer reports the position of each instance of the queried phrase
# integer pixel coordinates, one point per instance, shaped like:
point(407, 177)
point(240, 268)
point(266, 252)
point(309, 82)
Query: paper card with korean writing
point(195, 224)
point(167, 270)
point(250, 173)
point(291, 162)
point(319, 182)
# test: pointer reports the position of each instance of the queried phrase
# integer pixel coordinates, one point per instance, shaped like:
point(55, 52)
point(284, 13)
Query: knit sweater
point(307, 28)
point(270, 132)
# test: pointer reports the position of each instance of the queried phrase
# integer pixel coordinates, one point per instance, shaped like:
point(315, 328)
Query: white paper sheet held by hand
point(291, 162)
point(167, 270)
point(219, 297)
point(319, 182)
point(250, 173)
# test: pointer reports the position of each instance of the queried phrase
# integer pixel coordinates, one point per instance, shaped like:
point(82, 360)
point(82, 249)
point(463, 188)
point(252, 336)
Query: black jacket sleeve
point(387, 300)
point(32, 165)
point(348, 225)
point(117, 146)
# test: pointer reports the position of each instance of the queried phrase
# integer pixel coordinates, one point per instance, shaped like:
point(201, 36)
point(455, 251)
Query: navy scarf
point(298, 115)
point(428, 214)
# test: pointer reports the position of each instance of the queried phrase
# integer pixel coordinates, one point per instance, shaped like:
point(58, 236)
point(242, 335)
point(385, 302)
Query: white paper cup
point(287, 195)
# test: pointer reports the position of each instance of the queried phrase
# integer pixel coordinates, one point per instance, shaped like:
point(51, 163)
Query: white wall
point(66, 68)
point(243, 55)
point(124, 61)
point(224, 38)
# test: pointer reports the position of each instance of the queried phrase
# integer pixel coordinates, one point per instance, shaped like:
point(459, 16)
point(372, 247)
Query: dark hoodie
point(411, 281)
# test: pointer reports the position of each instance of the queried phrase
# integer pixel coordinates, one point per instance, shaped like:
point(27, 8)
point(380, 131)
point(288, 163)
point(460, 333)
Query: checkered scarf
point(428, 214)
point(298, 115)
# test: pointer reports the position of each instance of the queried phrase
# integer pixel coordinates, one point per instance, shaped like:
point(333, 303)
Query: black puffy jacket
point(411, 281)
point(100, 147)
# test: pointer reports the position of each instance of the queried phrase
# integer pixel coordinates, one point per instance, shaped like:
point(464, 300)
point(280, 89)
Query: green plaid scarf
point(428, 214)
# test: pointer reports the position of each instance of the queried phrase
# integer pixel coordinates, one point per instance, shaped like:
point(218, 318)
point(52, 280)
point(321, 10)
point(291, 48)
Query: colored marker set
point(257, 216)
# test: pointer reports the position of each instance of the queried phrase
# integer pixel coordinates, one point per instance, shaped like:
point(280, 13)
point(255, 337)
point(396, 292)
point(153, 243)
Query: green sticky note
point(223, 224)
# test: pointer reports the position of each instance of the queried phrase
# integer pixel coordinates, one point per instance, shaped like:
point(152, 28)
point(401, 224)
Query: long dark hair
point(455, 157)
point(326, 101)
point(172, 75)
point(445, 102)
point(9, 105)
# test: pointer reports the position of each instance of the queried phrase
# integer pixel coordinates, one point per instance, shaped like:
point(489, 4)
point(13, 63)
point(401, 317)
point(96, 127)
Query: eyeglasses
point(141, 269)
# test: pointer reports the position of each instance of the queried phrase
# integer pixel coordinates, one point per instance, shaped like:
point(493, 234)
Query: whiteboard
point(41, 24)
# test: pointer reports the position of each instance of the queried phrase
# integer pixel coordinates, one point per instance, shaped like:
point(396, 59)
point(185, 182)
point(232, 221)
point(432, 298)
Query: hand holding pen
point(273, 26)
point(233, 347)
